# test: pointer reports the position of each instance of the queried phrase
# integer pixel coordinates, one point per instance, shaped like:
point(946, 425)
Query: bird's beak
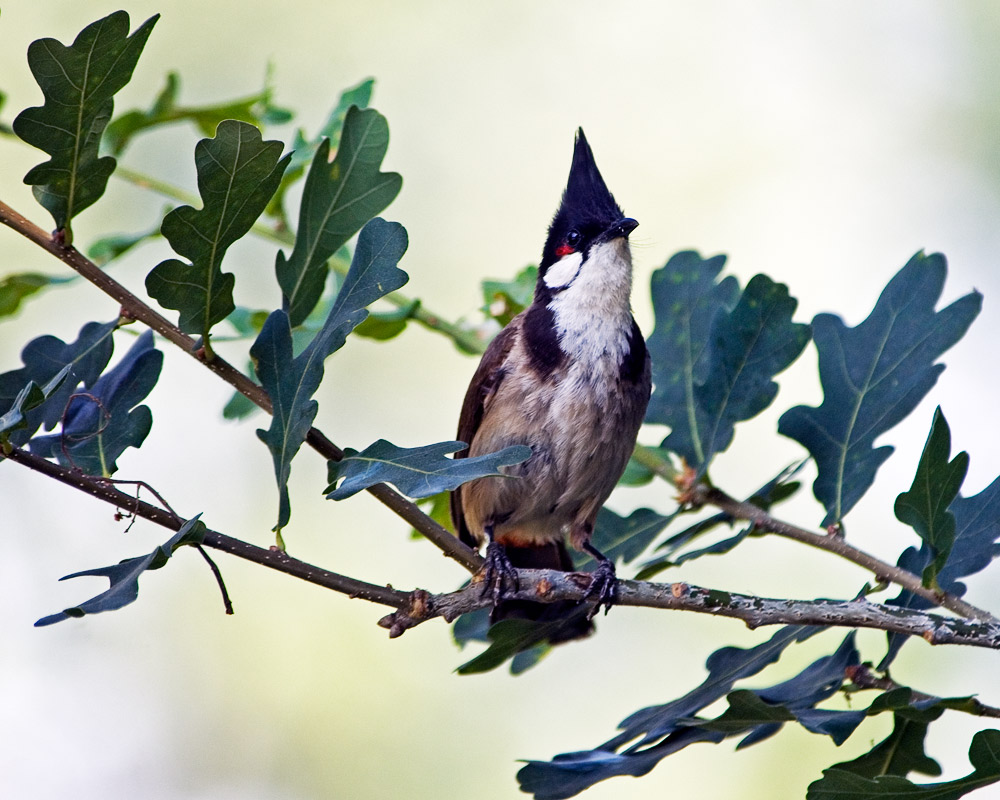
point(623, 228)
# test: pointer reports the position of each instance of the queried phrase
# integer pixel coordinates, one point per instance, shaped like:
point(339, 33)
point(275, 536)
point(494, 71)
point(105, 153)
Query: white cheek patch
point(561, 274)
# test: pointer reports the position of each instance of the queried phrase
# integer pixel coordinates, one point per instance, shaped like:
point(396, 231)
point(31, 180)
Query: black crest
point(587, 206)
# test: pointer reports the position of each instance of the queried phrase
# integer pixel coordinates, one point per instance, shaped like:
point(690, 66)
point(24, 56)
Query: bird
point(570, 378)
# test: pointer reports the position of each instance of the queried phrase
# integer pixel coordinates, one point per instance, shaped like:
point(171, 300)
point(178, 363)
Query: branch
point(275, 559)
point(134, 308)
point(702, 494)
point(550, 586)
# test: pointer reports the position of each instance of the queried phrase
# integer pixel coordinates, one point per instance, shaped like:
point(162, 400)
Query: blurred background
point(821, 143)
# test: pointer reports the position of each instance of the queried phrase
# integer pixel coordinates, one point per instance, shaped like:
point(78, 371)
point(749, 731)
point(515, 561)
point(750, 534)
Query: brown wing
point(484, 383)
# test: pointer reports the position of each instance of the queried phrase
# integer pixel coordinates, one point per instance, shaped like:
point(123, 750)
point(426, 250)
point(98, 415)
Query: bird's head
point(588, 237)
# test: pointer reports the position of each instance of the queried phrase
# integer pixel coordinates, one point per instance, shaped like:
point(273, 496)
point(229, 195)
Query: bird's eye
point(573, 238)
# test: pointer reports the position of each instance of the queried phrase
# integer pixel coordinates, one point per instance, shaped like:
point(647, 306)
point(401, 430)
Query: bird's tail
point(569, 619)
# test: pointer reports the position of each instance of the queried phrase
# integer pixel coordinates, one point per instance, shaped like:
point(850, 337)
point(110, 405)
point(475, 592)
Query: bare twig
point(226, 602)
point(833, 543)
point(136, 309)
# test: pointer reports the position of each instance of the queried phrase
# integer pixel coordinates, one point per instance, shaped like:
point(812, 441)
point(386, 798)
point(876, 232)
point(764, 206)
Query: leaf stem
point(134, 308)
point(737, 509)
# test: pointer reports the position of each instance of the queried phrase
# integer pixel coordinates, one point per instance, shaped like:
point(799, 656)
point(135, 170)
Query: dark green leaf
point(504, 300)
point(415, 471)
point(624, 538)
point(900, 753)
point(654, 733)
point(111, 247)
point(977, 529)
point(338, 199)
point(839, 784)
point(99, 425)
point(873, 376)
point(513, 638)
point(237, 174)
point(686, 300)
point(304, 149)
point(255, 110)
point(239, 407)
point(124, 577)
point(15, 288)
point(747, 347)
point(291, 381)
point(30, 397)
point(384, 325)
point(79, 83)
point(925, 506)
point(44, 358)
point(775, 491)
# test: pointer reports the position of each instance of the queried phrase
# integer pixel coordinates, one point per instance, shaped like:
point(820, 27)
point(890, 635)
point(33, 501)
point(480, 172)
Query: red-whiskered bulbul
point(570, 378)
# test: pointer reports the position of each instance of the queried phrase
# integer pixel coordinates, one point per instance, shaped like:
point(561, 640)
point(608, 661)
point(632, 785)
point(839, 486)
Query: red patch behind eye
point(564, 250)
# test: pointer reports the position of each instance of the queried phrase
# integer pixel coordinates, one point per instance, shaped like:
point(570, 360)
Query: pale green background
point(820, 142)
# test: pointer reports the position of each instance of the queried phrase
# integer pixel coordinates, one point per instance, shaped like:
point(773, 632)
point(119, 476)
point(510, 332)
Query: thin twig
point(136, 309)
point(833, 543)
point(226, 602)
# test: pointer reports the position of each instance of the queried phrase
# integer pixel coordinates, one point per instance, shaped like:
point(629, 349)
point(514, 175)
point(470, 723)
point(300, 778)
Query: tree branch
point(550, 586)
point(737, 509)
point(273, 559)
point(134, 308)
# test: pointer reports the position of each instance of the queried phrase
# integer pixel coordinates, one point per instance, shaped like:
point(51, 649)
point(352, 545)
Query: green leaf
point(384, 325)
point(775, 491)
point(415, 471)
point(255, 110)
point(15, 288)
point(925, 506)
point(304, 149)
point(504, 300)
point(30, 397)
point(79, 83)
point(984, 754)
point(873, 376)
point(109, 248)
point(290, 380)
point(510, 638)
point(100, 424)
point(124, 577)
point(237, 174)
point(900, 753)
point(338, 199)
point(625, 538)
point(44, 358)
point(748, 346)
point(686, 299)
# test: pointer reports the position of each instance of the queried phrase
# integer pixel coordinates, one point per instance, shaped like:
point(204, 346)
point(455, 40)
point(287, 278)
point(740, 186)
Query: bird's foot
point(603, 586)
point(498, 572)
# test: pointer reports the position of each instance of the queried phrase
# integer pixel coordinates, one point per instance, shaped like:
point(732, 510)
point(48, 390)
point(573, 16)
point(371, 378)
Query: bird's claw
point(603, 586)
point(497, 572)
